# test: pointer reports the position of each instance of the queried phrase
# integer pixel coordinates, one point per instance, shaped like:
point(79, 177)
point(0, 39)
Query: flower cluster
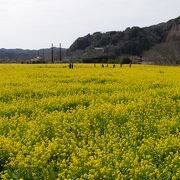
point(89, 123)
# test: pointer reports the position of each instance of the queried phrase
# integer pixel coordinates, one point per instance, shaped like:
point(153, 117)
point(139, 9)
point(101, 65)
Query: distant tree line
point(23, 56)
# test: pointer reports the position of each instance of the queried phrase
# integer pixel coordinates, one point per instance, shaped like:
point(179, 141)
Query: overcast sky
point(33, 24)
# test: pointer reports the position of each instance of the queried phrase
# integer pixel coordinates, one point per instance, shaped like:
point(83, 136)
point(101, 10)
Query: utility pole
point(60, 53)
point(43, 55)
point(52, 54)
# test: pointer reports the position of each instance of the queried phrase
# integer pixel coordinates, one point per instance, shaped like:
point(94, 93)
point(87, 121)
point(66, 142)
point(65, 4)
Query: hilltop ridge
point(132, 41)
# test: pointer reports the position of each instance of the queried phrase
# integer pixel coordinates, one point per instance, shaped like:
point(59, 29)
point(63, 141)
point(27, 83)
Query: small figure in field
point(102, 65)
point(94, 65)
point(121, 65)
point(113, 65)
point(130, 64)
point(107, 65)
point(71, 66)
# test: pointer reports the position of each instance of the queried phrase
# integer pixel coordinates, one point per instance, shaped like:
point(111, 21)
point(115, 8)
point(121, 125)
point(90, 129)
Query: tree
point(164, 53)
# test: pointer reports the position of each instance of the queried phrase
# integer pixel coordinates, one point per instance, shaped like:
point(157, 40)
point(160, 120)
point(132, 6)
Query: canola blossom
point(89, 122)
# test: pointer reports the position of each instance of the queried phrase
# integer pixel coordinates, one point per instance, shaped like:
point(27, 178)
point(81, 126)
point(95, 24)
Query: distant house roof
point(99, 48)
point(36, 59)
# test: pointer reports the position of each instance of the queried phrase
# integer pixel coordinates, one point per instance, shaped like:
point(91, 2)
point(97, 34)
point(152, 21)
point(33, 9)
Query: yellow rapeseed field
point(89, 122)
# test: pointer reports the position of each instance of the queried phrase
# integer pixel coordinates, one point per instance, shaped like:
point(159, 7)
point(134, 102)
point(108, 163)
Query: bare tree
point(164, 53)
